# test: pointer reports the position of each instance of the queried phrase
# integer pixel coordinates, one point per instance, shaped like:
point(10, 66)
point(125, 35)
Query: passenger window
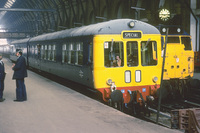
point(49, 53)
point(148, 53)
point(132, 54)
point(39, 51)
point(42, 52)
point(64, 53)
point(186, 41)
point(36, 51)
point(113, 54)
point(46, 52)
point(32, 48)
point(71, 54)
point(79, 54)
point(54, 53)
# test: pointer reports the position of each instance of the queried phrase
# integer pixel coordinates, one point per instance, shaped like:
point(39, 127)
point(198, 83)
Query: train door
point(84, 58)
point(132, 62)
point(148, 58)
point(38, 55)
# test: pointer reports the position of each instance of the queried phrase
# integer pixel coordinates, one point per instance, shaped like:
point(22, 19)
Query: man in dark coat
point(20, 73)
point(2, 77)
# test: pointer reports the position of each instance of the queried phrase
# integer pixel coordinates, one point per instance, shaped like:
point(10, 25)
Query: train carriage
point(118, 58)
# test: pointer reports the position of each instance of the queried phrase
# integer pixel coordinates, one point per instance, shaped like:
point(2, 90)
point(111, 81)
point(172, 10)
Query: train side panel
point(44, 61)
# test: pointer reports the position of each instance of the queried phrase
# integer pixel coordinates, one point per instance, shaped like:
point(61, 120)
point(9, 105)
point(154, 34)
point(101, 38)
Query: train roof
point(21, 41)
point(110, 27)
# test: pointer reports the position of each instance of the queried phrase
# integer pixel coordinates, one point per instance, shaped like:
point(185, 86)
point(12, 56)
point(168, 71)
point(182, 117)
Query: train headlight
point(164, 29)
point(131, 24)
point(178, 30)
point(109, 82)
point(155, 79)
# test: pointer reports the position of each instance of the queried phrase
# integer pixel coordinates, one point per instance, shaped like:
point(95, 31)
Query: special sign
point(132, 35)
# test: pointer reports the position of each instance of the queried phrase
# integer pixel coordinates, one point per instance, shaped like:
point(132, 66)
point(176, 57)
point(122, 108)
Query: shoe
point(2, 99)
point(18, 100)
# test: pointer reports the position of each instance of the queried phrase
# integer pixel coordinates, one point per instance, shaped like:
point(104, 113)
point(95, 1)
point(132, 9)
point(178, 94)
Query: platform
point(53, 108)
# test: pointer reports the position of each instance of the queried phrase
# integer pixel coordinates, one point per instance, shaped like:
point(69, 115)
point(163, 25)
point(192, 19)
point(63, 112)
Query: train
point(179, 61)
point(120, 59)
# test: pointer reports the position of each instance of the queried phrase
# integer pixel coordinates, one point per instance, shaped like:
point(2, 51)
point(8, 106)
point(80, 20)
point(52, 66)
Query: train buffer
point(186, 119)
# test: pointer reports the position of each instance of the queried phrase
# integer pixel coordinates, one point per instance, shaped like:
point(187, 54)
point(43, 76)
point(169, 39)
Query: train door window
point(91, 53)
point(113, 54)
point(42, 52)
point(132, 53)
point(64, 53)
point(54, 53)
point(148, 53)
point(46, 52)
point(186, 41)
point(79, 54)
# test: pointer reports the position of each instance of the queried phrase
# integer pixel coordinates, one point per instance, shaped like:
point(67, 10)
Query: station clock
point(164, 14)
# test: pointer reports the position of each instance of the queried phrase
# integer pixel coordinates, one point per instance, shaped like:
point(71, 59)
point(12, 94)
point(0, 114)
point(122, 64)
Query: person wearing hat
point(19, 74)
point(2, 77)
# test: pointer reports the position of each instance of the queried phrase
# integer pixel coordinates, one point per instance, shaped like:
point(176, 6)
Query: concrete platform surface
point(53, 108)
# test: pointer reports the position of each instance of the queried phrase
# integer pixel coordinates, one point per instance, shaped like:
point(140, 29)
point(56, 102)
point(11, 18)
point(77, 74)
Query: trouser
point(1, 88)
point(20, 90)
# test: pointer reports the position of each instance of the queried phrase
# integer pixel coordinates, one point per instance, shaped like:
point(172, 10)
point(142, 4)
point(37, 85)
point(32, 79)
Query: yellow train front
point(127, 66)
point(179, 62)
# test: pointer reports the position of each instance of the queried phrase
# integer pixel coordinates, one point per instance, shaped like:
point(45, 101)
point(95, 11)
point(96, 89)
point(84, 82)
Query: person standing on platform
point(2, 77)
point(20, 73)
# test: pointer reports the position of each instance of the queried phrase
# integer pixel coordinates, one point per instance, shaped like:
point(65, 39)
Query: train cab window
point(132, 54)
point(148, 53)
point(173, 40)
point(79, 54)
point(113, 54)
point(186, 41)
point(64, 53)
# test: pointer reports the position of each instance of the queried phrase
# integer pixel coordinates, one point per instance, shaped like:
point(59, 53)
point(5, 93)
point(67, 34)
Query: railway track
point(183, 114)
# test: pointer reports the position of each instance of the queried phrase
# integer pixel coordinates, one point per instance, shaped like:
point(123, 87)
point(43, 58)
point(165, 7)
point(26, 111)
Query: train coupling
point(112, 85)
